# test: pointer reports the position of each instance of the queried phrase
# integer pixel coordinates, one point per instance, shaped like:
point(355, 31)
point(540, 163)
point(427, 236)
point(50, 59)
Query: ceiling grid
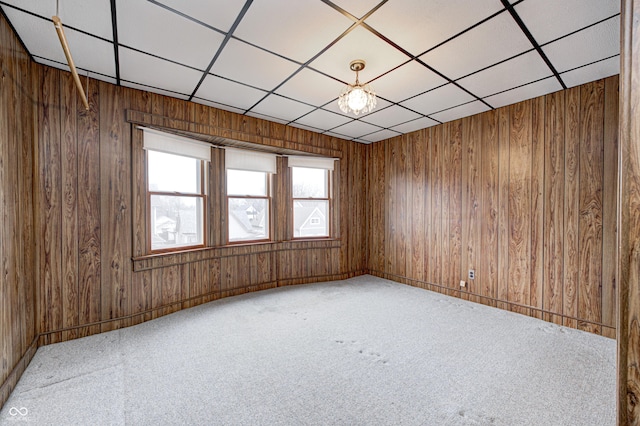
point(430, 61)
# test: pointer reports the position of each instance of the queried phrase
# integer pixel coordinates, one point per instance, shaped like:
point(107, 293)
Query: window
point(310, 190)
point(248, 194)
point(176, 192)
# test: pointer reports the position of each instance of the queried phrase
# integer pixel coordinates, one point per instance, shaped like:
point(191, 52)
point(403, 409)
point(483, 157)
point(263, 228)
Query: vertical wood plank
point(437, 224)
point(609, 202)
point(590, 204)
point(69, 177)
point(504, 161)
point(571, 206)
point(489, 211)
point(537, 206)
point(554, 206)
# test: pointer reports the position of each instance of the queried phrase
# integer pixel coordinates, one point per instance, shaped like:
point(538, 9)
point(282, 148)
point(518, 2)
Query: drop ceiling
point(430, 61)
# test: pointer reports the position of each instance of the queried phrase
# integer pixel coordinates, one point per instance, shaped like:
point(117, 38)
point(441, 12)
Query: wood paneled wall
point(628, 395)
point(525, 195)
point(17, 243)
point(90, 214)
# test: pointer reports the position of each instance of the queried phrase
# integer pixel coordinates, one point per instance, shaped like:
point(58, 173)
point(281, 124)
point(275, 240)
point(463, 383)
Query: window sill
point(180, 257)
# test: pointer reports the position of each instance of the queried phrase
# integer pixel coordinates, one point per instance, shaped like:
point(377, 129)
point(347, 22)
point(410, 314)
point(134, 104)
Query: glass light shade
point(358, 98)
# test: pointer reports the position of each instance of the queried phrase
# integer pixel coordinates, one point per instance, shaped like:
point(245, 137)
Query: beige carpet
point(363, 351)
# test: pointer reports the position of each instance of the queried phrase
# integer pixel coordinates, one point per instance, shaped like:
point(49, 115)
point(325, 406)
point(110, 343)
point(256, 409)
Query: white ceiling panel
point(220, 14)
point(278, 25)
point(436, 100)
point(311, 87)
point(87, 52)
point(539, 88)
point(378, 136)
point(391, 116)
point(217, 105)
point(84, 15)
point(283, 108)
point(406, 81)
point(136, 66)
point(594, 43)
point(357, 8)
point(323, 119)
point(419, 25)
point(359, 44)
point(461, 111)
point(592, 72)
point(250, 65)
point(154, 90)
point(302, 126)
point(151, 28)
point(493, 41)
point(412, 126)
point(356, 128)
point(229, 93)
point(562, 17)
point(515, 72)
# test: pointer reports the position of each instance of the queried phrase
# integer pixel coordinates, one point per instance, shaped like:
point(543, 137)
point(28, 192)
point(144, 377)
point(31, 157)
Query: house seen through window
point(248, 205)
point(310, 189)
point(176, 200)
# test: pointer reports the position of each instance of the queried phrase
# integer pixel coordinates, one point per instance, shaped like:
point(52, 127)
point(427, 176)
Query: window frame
point(268, 197)
point(329, 199)
point(203, 195)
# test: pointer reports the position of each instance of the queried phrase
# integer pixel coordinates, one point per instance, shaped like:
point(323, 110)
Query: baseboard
point(14, 376)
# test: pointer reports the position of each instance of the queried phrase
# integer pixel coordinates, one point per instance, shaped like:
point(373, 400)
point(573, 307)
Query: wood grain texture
point(19, 197)
point(514, 194)
point(628, 395)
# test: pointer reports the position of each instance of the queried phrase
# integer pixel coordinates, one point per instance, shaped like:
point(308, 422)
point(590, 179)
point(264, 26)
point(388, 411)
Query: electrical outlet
point(472, 274)
point(463, 284)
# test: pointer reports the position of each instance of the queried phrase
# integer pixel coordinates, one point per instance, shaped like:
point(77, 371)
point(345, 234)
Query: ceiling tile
point(592, 72)
point(276, 25)
point(357, 8)
point(378, 136)
point(84, 15)
point(250, 65)
point(493, 41)
point(311, 87)
point(217, 105)
point(323, 119)
point(345, 138)
point(412, 126)
point(82, 72)
point(283, 108)
point(562, 17)
point(539, 88)
point(151, 28)
point(465, 110)
point(418, 25)
point(220, 14)
point(135, 66)
point(154, 90)
point(406, 81)
point(379, 56)
point(436, 100)
point(515, 72)
point(356, 128)
point(229, 92)
point(391, 116)
point(87, 52)
point(594, 43)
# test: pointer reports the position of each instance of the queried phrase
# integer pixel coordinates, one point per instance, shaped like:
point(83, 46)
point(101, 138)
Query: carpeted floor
point(363, 351)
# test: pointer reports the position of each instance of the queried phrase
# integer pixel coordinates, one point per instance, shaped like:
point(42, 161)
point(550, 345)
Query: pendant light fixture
point(357, 98)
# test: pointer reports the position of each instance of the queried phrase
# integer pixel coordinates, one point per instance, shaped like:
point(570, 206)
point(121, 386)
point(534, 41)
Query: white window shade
point(311, 162)
point(171, 144)
point(241, 159)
